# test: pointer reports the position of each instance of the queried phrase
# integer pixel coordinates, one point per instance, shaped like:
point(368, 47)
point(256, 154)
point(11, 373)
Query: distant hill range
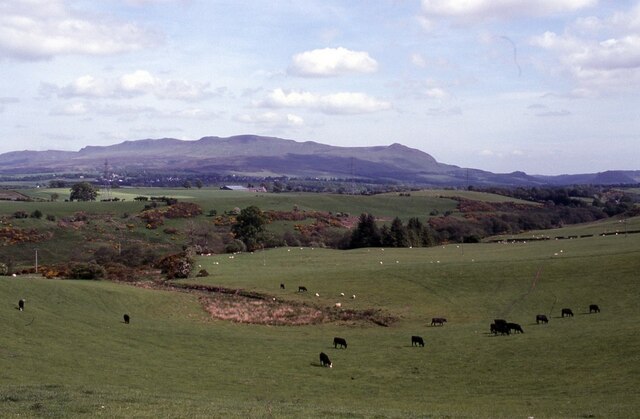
point(256, 156)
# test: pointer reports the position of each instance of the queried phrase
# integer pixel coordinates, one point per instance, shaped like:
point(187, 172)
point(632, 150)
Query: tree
point(399, 235)
point(199, 184)
point(57, 184)
point(83, 191)
point(366, 233)
point(249, 227)
point(54, 196)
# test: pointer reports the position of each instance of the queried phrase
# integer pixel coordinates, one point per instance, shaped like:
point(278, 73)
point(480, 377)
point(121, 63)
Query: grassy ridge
point(69, 354)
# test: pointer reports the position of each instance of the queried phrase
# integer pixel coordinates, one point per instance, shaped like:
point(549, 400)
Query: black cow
point(438, 321)
point(126, 318)
point(281, 286)
point(21, 305)
point(501, 328)
point(541, 318)
point(515, 327)
point(417, 341)
point(593, 308)
point(302, 289)
point(325, 361)
point(500, 321)
point(340, 341)
point(567, 312)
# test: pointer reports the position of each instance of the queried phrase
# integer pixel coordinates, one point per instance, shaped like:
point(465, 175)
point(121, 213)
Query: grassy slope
point(68, 353)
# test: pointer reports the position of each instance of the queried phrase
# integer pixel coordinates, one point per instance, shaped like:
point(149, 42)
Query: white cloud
point(335, 103)
point(436, 93)
point(600, 55)
point(273, 119)
point(418, 60)
point(43, 29)
point(472, 10)
point(138, 83)
point(330, 62)
point(72, 109)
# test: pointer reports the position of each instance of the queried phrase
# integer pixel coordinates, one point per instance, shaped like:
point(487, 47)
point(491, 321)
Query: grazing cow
point(515, 327)
point(541, 318)
point(438, 321)
point(500, 321)
point(281, 286)
point(126, 318)
point(340, 341)
point(417, 341)
point(302, 289)
point(501, 328)
point(21, 305)
point(325, 361)
point(593, 308)
point(567, 312)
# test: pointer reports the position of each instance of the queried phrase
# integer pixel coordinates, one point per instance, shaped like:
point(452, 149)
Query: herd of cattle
point(503, 327)
point(498, 327)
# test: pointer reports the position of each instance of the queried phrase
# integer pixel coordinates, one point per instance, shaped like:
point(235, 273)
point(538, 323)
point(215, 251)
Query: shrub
point(176, 266)
point(235, 246)
point(86, 271)
point(51, 217)
point(20, 214)
point(36, 214)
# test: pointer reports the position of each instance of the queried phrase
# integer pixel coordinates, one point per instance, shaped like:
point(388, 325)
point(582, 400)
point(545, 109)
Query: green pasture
point(383, 205)
point(614, 225)
point(69, 354)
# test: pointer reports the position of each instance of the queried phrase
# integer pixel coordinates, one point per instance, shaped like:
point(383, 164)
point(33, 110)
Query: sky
point(541, 86)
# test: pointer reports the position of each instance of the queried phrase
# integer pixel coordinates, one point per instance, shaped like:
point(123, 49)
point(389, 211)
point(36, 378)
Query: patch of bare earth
point(256, 308)
point(241, 309)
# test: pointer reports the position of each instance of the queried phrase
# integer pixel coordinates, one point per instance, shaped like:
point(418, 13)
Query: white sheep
point(338, 305)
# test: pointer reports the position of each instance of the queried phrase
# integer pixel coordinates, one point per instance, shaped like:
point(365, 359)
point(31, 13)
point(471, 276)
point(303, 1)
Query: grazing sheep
point(302, 288)
point(317, 295)
point(338, 305)
point(593, 308)
point(353, 297)
point(21, 304)
point(417, 341)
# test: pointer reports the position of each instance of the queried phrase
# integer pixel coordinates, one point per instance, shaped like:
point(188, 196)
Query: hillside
point(176, 360)
point(256, 156)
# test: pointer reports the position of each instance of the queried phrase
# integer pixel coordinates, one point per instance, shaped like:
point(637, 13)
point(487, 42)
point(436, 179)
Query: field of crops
point(70, 354)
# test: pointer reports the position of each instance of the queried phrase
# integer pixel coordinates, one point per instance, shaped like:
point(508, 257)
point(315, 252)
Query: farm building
point(243, 188)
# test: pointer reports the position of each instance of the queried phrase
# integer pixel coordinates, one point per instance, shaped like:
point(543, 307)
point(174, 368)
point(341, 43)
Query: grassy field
point(69, 354)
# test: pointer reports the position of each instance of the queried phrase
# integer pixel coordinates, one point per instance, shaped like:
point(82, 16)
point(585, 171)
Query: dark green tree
point(83, 191)
point(199, 184)
point(249, 227)
point(366, 233)
point(399, 234)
